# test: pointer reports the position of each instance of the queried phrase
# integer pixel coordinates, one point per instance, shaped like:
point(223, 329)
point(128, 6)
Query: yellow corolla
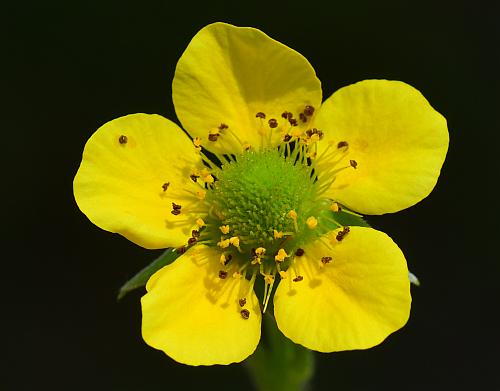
point(263, 202)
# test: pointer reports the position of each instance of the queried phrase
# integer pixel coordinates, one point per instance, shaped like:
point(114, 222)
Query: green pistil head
point(254, 196)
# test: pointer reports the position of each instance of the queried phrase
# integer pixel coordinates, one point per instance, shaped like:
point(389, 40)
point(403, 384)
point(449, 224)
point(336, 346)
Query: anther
point(278, 234)
point(180, 250)
point(283, 274)
point(280, 257)
point(325, 260)
point(260, 115)
point(201, 194)
point(287, 138)
point(292, 121)
point(312, 222)
point(213, 136)
point(242, 302)
point(223, 126)
point(222, 259)
point(197, 142)
point(260, 251)
point(224, 229)
point(195, 233)
point(165, 186)
point(286, 114)
point(200, 223)
point(237, 275)
point(343, 233)
point(175, 206)
point(192, 241)
point(298, 278)
point(342, 144)
point(235, 241)
point(303, 117)
point(334, 207)
point(222, 274)
point(224, 243)
point(123, 139)
point(292, 214)
point(299, 252)
point(353, 163)
point(309, 110)
point(245, 314)
point(273, 123)
point(194, 177)
point(268, 279)
point(175, 212)
point(246, 146)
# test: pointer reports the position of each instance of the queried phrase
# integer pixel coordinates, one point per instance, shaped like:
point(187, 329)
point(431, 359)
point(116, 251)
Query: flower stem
point(278, 364)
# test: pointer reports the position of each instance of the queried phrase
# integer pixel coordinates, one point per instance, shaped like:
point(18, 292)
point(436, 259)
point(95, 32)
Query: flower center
point(254, 195)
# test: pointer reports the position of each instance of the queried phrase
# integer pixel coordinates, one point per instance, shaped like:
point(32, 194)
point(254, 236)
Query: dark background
point(73, 66)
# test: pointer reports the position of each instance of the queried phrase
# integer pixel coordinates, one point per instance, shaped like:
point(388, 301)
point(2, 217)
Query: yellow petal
point(228, 74)
point(132, 169)
point(397, 139)
point(354, 301)
point(195, 317)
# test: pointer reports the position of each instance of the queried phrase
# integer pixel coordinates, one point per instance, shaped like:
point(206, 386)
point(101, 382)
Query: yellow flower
point(374, 147)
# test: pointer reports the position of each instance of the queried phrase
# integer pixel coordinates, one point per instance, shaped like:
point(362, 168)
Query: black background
point(70, 67)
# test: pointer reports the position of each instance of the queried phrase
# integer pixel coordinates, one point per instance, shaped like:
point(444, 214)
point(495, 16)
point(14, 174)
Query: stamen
point(192, 241)
point(325, 260)
point(224, 229)
point(213, 136)
point(280, 257)
point(260, 115)
point(222, 274)
point(273, 123)
point(311, 222)
point(283, 275)
point(235, 241)
point(237, 275)
point(165, 186)
point(197, 142)
point(342, 144)
point(309, 110)
point(298, 278)
point(299, 252)
point(180, 250)
point(200, 223)
point(242, 302)
point(334, 207)
point(224, 243)
point(353, 163)
point(123, 139)
point(341, 234)
point(303, 117)
point(201, 194)
point(175, 212)
point(223, 126)
point(222, 260)
point(194, 177)
point(278, 234)
point(245, 314)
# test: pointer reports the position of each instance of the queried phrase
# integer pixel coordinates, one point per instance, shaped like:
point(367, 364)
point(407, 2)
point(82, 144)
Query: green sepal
point(278, 364)
point(350, 219)
point(140, 279)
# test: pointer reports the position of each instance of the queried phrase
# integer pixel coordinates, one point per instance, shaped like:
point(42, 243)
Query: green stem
point(278, 364)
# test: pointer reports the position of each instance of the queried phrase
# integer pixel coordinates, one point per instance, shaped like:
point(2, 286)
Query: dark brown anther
point(194, 177)
point(303, 117)
point(260, 115)
point(343, 233)
point(293, 121)
point(223, 126)
point(273, 123)
point(195, 233)
point(222, 274)
point(165, 186)
point(175, 206)
point(213, 136)
point(320, 134)
point(326, 260)
point(180, 250)
point(192, 241)
point(342, 144)
point(245, 314)
point(309, 110)
point(298, 278)
point(175, 212)
point(309, 132)
point(242, 302)
point(353, 163)
point(228, 259)
point(287, 138)
point(123, 139)
point(299, 252)
point(285, 115)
